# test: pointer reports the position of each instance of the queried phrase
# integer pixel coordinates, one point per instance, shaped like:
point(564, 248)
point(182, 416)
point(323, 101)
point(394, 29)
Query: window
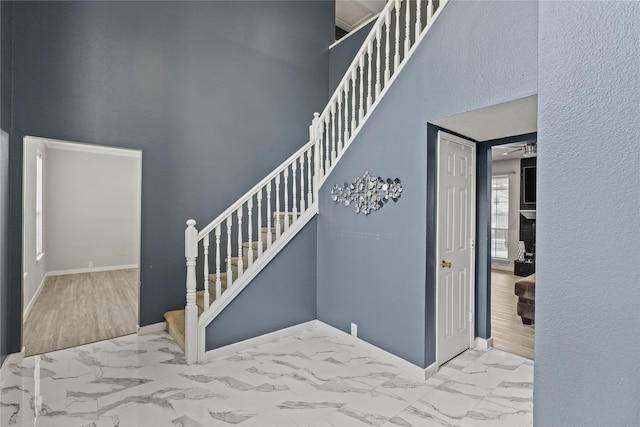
point(39, 248)
point(500, 216)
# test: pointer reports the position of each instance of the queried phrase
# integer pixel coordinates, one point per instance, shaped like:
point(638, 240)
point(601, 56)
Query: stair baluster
point(218, 281)
point(407, 29)
point(354, 97)
point(294, 186)
point(250, 232)
point(205, 247)
point(286, 200)
point(340, 143)
point(396, 56)
point(229, 270)
point(387, 50)
point(269, 235)
point(259, 198)
point(378, 60)
point(310, 198)
point(302, 201)
point(278, 229)
point(418, 19)
point(361, 110)
point(369, 80)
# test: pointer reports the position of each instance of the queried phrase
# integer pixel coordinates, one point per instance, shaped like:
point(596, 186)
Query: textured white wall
point(35, 270)
point(588, 222)
point(93, 210)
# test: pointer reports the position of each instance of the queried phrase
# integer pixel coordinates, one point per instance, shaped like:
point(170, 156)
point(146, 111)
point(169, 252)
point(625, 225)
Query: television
point(529, 187)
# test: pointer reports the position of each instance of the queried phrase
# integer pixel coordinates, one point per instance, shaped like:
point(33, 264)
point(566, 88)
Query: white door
point(456, 231)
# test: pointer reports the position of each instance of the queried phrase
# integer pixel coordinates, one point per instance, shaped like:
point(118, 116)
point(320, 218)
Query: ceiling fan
point(528, 149)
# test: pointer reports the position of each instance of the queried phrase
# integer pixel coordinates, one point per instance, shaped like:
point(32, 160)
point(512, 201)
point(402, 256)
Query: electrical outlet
point(354, 329)
point(90, 264)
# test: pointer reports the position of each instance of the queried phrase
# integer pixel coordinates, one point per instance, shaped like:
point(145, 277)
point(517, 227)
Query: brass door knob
point(446, 264)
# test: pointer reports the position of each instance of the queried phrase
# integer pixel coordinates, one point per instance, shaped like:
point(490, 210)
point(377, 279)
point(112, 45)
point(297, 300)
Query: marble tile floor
point(312, 378)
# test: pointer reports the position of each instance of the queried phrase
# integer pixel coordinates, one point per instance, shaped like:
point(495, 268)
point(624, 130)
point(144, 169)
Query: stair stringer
point(218, 306)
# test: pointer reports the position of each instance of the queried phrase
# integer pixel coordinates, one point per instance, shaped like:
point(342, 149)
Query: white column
point(191, 309)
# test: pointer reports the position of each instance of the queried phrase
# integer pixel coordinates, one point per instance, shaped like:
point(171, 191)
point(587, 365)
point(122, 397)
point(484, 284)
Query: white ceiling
point(516, 117)
point(350, 14)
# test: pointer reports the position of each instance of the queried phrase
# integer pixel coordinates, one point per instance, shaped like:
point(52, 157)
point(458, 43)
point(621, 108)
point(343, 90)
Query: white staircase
point(244, 238)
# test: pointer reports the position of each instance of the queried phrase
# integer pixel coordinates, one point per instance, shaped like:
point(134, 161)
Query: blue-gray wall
point(215, 94)
point(282, 295)
point(588, 267)
point(6, 12)
point(342, 53)
point(372, 270)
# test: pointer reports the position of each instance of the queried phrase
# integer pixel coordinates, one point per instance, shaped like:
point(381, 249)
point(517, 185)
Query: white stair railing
point(363, 85)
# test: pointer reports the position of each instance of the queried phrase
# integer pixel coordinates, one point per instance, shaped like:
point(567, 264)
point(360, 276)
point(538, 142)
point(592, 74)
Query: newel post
point(191, 309)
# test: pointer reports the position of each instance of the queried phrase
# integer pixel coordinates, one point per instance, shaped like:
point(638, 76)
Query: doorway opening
point(81, 243)
point(513, 246)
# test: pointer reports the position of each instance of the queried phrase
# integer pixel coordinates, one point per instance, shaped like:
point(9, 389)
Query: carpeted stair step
point(223, 278)
point(175, 326)
point(200, 298)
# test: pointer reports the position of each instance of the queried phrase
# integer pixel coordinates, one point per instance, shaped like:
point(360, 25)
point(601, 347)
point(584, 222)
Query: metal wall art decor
point(367, 193)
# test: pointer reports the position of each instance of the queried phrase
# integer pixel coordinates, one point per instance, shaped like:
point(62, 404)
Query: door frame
point(63, 145)
point(472, 255)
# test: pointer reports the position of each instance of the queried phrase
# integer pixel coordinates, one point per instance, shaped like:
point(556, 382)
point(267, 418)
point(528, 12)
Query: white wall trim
point(11, 359)
point(405, 365)
point(256, 341)
point(57, 144)
point(152, 329)
point(91, 270)
point(484, 343)
point(29, 306)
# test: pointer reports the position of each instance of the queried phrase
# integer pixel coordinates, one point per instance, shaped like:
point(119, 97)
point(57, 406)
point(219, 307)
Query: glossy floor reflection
point(313, 378)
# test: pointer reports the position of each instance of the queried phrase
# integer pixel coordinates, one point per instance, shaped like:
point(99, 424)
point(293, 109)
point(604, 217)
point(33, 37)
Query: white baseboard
point(152, 329)
point(484, 343)
point(92, 269)
point(29, 306)
point(230, 349)
point(11, 359)
point(408, 367)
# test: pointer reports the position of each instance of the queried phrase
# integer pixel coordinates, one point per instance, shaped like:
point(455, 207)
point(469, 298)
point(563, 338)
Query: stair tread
point(175, 326)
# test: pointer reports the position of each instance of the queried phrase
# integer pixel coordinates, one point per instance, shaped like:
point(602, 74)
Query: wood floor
point(77, 309)
point(507, 330)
